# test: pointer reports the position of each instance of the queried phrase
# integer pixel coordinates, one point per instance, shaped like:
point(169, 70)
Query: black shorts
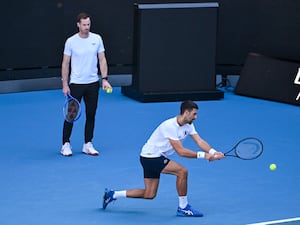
point(153, 166)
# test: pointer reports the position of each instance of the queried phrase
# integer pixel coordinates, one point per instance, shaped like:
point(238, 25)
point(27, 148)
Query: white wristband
point(212, 151)
point(200, 155)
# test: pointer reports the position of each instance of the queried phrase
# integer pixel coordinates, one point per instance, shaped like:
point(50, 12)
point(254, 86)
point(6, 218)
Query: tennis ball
point(109, 90)
point(273, 166)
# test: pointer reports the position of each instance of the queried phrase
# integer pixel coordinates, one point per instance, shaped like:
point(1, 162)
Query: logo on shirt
point(183, 134)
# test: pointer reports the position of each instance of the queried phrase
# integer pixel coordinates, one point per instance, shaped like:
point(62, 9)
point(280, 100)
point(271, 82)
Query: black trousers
point(89, 93)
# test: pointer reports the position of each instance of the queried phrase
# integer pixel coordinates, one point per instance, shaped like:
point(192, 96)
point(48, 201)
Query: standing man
point(166, 139)
point(83, 52)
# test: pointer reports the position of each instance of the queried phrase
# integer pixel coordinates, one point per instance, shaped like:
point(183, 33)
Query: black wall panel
point(31, 34)
point(34, 31)
point(175, 48)
point(278, 29)
point(236, 30)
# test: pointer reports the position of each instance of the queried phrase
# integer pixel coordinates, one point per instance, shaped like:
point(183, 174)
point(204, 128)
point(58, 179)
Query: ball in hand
point(273, 166)
point(108, 90)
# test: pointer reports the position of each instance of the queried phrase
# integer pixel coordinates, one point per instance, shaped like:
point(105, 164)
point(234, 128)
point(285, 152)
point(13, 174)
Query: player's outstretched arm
point(214, 155)
point(185, 152)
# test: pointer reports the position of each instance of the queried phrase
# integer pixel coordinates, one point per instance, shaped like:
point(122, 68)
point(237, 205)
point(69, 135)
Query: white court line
point(276, 221)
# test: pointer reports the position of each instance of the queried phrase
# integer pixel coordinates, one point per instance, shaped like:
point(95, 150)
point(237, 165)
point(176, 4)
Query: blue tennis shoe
point(188, 211)
point(108, 197)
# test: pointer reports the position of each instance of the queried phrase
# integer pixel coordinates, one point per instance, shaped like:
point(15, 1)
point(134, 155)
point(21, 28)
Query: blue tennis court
point(41, 187)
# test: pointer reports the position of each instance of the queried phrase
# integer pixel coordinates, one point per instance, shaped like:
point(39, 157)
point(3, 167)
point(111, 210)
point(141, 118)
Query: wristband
point(200, 155)
point(105, 78)
point(212, 151)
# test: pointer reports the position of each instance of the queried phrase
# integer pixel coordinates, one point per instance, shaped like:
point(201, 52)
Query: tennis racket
point(71, 109)
point(247, 149)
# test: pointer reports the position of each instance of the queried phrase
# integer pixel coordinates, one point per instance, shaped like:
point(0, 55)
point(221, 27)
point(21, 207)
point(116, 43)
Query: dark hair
point(187, 105)
point(82, 16)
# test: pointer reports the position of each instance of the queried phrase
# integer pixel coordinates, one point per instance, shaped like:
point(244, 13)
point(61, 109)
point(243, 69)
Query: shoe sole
point(69, 155)
point(92, 154)
point(184, 215)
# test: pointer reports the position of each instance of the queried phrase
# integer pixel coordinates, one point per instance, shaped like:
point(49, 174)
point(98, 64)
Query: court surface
point(41, 187)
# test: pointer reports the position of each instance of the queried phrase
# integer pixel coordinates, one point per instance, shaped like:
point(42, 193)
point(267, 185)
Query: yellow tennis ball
point(109, 90)
point(273, 166)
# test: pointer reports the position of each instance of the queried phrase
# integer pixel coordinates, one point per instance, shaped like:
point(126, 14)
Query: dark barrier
point(269, 78)
point(174, 52)
point(35, 32)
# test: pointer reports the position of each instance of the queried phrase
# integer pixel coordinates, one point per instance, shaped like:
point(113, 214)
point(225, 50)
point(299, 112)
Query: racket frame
point(234, 149)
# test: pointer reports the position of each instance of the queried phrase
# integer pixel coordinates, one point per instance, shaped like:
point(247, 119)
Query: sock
point(119, 194)
point(182, 201)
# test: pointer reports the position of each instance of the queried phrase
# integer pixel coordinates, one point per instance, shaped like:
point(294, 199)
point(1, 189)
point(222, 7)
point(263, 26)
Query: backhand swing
point(165, 140)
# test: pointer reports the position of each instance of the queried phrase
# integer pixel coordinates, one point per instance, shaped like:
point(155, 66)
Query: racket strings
point(249, 149)
point(72, 110)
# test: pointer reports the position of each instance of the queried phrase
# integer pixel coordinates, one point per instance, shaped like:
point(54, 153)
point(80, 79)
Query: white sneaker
point(89, 149)
point(66, 149)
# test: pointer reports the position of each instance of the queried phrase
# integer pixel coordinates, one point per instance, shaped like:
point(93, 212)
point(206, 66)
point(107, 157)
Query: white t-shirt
point(84, 57)
point(158, 144)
